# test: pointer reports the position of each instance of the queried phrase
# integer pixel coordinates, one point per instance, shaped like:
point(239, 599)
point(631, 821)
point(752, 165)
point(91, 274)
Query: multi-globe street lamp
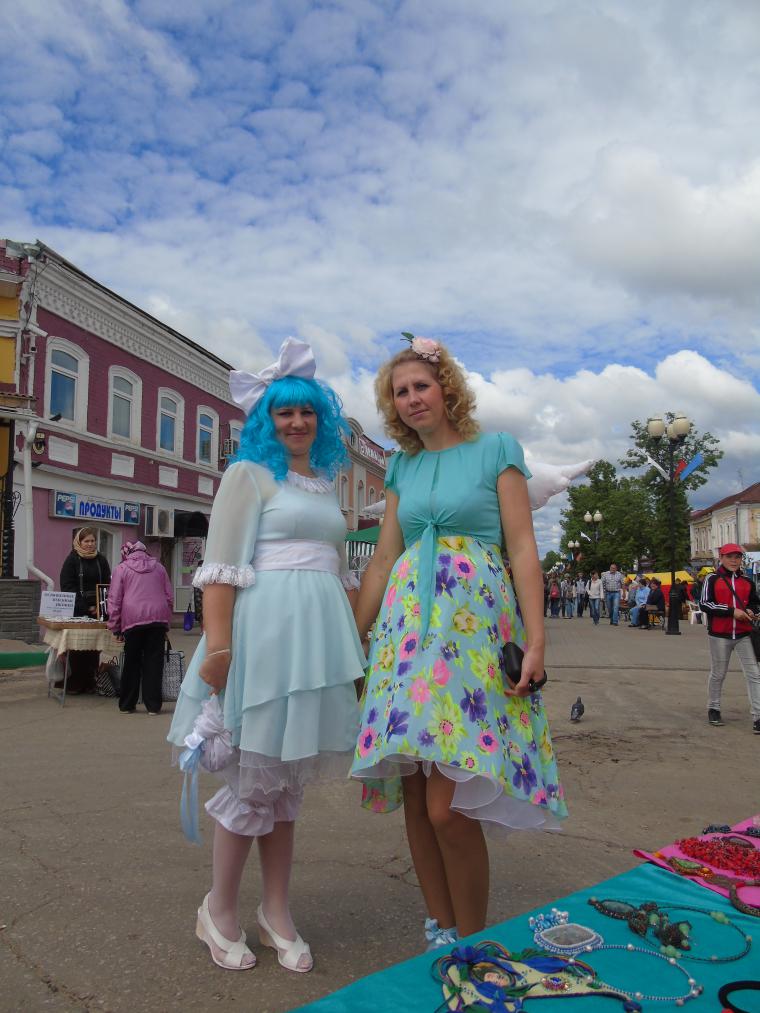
point(596, 518)
point(676, 431)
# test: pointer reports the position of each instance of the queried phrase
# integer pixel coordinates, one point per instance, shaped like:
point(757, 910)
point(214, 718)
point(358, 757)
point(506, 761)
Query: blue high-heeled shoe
point(436, 936)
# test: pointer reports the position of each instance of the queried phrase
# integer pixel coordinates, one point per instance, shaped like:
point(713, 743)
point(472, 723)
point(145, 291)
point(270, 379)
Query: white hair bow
point(295, 359)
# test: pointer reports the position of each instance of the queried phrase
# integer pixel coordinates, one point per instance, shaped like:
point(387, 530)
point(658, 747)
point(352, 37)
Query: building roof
point(749, 495)
point(63, 262)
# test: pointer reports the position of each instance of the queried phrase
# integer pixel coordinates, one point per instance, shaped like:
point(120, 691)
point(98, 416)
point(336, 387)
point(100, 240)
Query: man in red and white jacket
point(731, 603)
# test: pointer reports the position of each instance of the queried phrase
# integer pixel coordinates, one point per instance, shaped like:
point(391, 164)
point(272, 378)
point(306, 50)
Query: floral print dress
point(435, 686)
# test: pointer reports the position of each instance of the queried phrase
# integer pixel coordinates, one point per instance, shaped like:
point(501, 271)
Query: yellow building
point(14, 404)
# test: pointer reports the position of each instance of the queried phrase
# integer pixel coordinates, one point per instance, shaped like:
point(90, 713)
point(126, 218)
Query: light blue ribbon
point(188, 807)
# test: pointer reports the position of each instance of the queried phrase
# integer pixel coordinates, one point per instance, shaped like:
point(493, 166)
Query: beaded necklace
point(673, 936)
point(686, 868)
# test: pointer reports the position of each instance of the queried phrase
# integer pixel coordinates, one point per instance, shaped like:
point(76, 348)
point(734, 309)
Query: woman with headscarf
point(140, 603)
point(83, 569)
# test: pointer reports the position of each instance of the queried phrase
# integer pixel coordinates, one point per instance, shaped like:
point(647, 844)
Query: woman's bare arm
point(390, 545)
point(517, 524)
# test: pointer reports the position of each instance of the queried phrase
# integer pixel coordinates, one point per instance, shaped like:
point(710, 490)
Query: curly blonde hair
point(458, 399)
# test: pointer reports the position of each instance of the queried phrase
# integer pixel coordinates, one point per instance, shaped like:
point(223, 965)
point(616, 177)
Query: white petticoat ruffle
point(224, 573)
point(475, 795)
point(350, 580)
point(256, 814)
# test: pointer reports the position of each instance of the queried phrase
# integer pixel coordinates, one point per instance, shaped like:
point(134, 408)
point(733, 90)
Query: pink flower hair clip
point(425, 348)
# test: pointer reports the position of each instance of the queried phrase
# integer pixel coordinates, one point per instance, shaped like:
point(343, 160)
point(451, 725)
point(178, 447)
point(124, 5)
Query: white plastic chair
point(695, 613)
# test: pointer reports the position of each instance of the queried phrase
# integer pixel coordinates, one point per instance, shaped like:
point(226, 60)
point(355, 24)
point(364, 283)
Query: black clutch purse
point(512, 658)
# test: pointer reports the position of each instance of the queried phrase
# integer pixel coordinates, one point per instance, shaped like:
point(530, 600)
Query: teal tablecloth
point(409, 987)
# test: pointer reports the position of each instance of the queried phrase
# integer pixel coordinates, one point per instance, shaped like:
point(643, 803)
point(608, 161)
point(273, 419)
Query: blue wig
point(258, 440)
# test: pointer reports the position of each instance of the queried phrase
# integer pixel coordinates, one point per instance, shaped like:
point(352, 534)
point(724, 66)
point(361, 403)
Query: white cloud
point(569, 194)
point(588, 415)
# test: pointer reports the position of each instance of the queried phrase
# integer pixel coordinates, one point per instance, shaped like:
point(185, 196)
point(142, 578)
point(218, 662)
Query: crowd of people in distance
point(611, 596)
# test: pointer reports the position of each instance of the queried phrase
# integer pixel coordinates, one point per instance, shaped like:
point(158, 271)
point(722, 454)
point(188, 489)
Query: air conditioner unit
point(228, 448)
point(159, 522)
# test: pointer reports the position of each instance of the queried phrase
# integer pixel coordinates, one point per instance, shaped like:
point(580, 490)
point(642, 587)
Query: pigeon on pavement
point(577, 710)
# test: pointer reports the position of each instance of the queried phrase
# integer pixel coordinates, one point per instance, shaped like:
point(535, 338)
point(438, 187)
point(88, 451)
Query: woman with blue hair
point(280, 653)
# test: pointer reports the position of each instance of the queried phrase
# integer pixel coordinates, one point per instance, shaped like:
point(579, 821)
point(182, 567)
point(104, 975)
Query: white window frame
point(236, 432)
point(179, 422)
point(135, 418)
point(82, 381)
point(214, 462)
point(371, 496)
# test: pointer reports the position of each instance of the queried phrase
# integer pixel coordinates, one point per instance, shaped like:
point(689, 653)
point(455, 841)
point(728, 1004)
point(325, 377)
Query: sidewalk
point(100, 888)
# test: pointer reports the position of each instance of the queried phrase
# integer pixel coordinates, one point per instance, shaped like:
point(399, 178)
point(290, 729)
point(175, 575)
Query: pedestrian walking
point(731, 603)
point(595, 596)
point(555, 597)
point(581, 592)
point(612, 583)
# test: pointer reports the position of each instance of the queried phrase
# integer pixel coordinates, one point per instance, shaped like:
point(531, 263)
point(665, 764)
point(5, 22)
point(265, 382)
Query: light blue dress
point(435, 688)
point(290, 703)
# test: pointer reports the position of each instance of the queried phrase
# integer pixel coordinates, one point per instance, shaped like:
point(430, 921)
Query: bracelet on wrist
point(224, 650)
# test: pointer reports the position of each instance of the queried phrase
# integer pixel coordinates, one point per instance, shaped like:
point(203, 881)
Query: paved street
point(99, 888)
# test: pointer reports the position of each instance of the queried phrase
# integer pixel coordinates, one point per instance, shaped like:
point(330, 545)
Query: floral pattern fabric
point(440, 698)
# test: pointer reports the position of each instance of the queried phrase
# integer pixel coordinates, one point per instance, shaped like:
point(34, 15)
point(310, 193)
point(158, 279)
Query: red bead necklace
point(725, 853)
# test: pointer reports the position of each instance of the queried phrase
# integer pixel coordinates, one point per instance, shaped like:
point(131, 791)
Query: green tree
point(550, 559)
point(657, 488)
point(622, 536)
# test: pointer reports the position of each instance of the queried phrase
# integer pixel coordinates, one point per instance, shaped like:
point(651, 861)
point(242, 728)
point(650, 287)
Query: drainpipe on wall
point(26, 457)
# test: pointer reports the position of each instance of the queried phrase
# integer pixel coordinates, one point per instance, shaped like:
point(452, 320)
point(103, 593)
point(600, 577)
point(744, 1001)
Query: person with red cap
point(731, 605)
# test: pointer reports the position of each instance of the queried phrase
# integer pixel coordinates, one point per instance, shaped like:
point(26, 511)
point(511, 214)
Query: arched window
point(360, 498)
point(344, 492)
point(207, 440)
point(170, 422)
point(371, 495)
point(67, 375)
point(124, 404)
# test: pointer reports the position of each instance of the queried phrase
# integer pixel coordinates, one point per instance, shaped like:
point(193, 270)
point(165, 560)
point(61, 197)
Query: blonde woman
point(471, 750)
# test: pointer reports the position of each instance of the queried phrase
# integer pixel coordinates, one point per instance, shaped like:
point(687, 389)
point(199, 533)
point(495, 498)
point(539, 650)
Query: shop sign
point(71, 506)
point(370, 450)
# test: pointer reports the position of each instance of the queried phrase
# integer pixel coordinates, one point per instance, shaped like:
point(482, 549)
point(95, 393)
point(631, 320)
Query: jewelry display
point(695, 989)
point(673, 936)
point(684, 867)
point(556, 934)
point(490, 975)
point(727, 853)
point(736, 986)
point(724, 828)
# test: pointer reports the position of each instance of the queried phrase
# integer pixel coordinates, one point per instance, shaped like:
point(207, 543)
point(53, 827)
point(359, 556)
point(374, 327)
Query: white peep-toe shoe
point(289, 951)
point(233, 953)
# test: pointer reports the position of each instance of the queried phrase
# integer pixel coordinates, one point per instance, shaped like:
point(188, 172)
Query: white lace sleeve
point(232, 530)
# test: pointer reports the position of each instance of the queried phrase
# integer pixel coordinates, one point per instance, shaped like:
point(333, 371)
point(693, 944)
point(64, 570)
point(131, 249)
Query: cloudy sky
point(566, 193)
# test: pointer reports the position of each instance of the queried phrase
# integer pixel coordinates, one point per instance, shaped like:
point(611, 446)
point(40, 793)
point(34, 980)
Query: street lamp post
point(677, 431)
point(596, 519)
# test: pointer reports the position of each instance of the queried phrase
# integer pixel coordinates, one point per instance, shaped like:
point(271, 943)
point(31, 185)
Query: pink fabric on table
point(750, 894)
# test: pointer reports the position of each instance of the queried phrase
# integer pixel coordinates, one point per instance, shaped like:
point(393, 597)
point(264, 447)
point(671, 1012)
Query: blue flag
point(691, 466)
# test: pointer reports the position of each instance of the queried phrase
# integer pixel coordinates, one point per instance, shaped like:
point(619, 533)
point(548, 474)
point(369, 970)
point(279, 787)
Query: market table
point(65, 635)
point(409, 987)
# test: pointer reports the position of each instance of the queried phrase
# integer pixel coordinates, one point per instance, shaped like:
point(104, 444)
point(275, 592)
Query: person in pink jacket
point(140, 602)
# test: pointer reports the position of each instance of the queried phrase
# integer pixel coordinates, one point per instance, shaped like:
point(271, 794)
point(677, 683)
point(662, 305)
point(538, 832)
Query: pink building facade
point(134, 427)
